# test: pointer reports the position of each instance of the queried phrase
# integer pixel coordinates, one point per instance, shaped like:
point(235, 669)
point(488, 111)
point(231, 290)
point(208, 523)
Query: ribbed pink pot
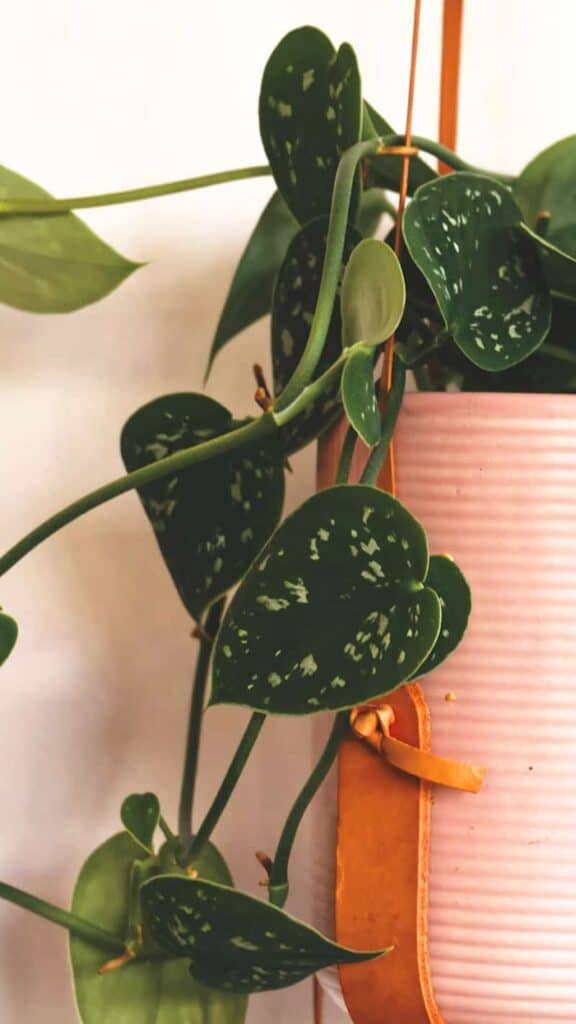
point(493, 480)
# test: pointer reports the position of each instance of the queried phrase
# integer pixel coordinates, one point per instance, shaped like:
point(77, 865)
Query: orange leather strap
point(450, 75)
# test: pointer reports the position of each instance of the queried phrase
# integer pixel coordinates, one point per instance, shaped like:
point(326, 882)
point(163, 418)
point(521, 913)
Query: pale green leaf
point(373, 294)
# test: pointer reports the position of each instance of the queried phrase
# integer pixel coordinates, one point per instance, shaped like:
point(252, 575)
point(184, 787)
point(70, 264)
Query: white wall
point(117, 93)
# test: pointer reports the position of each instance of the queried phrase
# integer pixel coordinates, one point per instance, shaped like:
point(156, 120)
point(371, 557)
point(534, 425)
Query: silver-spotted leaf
point(359, 395)
point(464, 233)
point(235, 942)
point(386, 171)
point(140, 814)
point(310, 112)
point(211, 520)
point(294, 303)
point(449, 583)
point(8, 635)
point(250, 294)
point(52, 264)
point(333, 612)
point(145, 992)
point(372, 295)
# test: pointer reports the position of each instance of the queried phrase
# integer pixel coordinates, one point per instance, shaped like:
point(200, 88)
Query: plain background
point(120, 93)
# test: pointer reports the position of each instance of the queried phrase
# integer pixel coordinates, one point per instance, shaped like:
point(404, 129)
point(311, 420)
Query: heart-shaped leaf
point(52, 264)
point(250, 294)
point(310, 112)
point(464, 233)
point(293, 307)
point(359, 395)
point(8, 635)
point(386, 171)
point(211, 520)
point(547, 186)
point(140, 814)
point(449, 583)
point(373, 294)
point(237, 943)
point(335, 610)
point(157, 992)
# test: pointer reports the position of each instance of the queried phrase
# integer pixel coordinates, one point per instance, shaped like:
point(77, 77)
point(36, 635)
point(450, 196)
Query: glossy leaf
point(449, 583)
point(160, 992)
point(547, 186)
point(359, 395)
point(386, 171)
point(310, 112)
point(293, 307)
point(334, 612)
point(52, 264)
point(373, 294)
point(8, 636)
point(140, 814)
point(234, 941)
point(211, 520)
point(250, 294)
point(464, 233)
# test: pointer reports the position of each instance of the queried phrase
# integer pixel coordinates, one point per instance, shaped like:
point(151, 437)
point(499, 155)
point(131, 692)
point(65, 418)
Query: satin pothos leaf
point(250, 294)
point(156, 991)
point(210, 520)
point(464, 233)
point(449, 583)
point(359, 395)
point(386, 171)
point(334, 611)
point(310, 112)
point(140, 814)
point(293, 307)
point(52, 264)
point(372, 295)
point(235, 942)
point(8, 635)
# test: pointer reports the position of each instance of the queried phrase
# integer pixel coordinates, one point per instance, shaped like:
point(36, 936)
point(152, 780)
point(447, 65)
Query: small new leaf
point(373, 294)
point(449, 583)
point(235, 942)
point(359, 395)
point(8, 636)
point(140, 814)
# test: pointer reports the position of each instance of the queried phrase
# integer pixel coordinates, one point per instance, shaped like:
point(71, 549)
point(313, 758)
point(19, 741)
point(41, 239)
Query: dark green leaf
point(140, 814)
point(293, 307)
point(359, 395)
point(145, 992)
point(373, 294)
point(446, 579)
point(235, 942)
point(52, 264)
point(386, 171)
point(250, 295)
point(559, 264)
point(548, 186)
point(211, 520)
point(334, 611)
point(310, 112)
point(463, 231)
point(8, 635)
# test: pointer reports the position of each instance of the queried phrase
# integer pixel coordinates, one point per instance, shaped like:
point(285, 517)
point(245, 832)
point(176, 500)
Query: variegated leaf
point(359, 395)
point(447, 580)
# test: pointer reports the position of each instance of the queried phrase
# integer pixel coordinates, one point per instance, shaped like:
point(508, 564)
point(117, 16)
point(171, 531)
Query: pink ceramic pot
point(493, 480)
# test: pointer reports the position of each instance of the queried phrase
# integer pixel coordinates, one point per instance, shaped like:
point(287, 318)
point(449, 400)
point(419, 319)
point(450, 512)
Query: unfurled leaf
point(155, 992)
point(235, 942)
point(310, 112)
point(359, 395)
point(293, 307)
point(373, 294)
point(55, 263)
point(464, 233)
point(210, 520)
point(250, 294)
point(333, 612)
point(446, 579)
point(386, 171)
point(140, 814)
point(8, 635)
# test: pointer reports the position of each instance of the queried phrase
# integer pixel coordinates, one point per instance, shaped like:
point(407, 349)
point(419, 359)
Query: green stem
point(165, 829)
point(452, 159)
point(227, 786)
point(47, 206)
point(211, 626)
point(379, 453)
point(346, 456)
point(278, 882)
point(139, 478)
point(314, 390)
point(77, 926)
point(556, 352)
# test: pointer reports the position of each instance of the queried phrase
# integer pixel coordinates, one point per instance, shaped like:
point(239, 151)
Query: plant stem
point(346, 456)
point(556, 352)
point(165, 829)
point(278, 882)
point(211, 626)
point(75, 925)
point(244, 435)
point(313, 390)
point(452, 159)
point(48, 206)
point(227, 786)
point(379, 453)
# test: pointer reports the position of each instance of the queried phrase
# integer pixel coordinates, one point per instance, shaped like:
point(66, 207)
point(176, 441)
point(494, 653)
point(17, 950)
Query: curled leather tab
point(372, 723)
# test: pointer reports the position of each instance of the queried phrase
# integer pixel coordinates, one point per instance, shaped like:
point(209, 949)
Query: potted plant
point(340, 603)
